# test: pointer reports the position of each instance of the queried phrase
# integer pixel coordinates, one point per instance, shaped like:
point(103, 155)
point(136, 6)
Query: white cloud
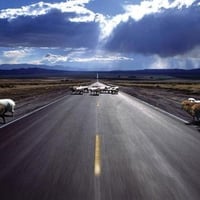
point(144, 8)
point(16, 54)
point(107, 24)
point(188, 60)
point(52, 58)
point(194, 54)
point(82, 55)
point(196, 63)
point(181, 3)
point(49, 48)
point(181, 63)
point(41, 8)
point(138, 11)
point(101, 58)
point(31, 10)
point(159, 63)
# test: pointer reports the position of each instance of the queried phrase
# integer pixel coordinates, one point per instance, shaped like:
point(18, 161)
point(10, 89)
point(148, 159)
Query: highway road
point(107, 147)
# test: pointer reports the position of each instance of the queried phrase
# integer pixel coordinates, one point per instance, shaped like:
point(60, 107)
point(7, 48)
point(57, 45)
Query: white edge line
point(30, 113)
point(156, 108)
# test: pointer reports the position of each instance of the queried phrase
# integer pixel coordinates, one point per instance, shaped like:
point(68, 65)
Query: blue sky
point(101, 34)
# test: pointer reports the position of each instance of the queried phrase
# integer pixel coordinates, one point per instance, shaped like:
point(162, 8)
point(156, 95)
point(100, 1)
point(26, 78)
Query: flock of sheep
point(6, 105)
point(192, 106)
point(95, 90)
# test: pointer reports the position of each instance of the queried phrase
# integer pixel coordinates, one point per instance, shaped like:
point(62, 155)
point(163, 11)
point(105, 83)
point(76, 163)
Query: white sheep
point(9, 105)
point(192, 108)
point(193, 100)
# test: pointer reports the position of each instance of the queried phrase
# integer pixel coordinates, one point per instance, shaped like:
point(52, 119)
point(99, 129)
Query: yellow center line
point(97, 159)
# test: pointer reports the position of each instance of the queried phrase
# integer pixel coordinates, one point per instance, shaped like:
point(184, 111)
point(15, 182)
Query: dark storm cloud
point(50, 30)
point(171, 32)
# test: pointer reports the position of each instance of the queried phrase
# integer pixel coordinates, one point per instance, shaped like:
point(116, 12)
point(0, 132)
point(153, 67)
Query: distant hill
point(162, 73)
point(35, 72)
point(26, 66)
point(28, 71)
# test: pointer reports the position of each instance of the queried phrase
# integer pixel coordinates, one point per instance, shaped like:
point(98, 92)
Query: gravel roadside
point(168, 100)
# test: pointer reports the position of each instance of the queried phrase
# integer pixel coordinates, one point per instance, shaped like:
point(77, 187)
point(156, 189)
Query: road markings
point(97, 159)
point(98, 104)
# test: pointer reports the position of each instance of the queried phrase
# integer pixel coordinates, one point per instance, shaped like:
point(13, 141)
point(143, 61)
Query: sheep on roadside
point(186, 105)
point(192, 108)
point(195, 110)
point(77, 90)
point(2, 112)
point(9, 105)
point(193, 100)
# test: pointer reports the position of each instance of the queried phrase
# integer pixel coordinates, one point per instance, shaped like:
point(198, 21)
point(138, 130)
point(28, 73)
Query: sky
point(101, 34)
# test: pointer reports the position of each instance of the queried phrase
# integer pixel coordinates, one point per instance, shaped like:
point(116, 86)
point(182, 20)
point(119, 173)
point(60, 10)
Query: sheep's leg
point(3, 117)
point(196, 118)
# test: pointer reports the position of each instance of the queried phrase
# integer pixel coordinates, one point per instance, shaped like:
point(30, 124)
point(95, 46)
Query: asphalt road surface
point(99, 148)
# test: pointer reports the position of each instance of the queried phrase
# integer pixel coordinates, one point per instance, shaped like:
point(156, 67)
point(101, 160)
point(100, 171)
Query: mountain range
point(26, 70)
